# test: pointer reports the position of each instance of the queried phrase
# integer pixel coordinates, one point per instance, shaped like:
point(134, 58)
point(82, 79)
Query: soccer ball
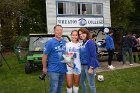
point(100, 78)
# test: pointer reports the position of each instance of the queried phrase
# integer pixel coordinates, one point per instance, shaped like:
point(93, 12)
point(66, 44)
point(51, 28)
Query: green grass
point(16, 81)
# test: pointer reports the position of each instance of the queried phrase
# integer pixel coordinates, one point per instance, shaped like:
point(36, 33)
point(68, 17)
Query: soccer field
point(16, 81)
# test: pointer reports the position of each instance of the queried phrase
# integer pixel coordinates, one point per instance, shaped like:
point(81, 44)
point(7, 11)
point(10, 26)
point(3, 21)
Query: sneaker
point(111, 67)
point(131, 64)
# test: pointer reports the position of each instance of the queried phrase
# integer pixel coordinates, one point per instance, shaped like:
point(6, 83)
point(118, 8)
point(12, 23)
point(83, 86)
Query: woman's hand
point(90, 70)
point(70, 65)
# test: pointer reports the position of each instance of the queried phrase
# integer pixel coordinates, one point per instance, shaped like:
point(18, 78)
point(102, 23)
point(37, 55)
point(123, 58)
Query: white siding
point(51, 13)
point(106, 13)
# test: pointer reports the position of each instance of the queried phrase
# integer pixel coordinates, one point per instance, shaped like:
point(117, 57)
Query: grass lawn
point(16, 81)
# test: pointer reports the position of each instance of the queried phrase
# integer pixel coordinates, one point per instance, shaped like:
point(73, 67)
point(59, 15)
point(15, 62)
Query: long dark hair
point(84, 30)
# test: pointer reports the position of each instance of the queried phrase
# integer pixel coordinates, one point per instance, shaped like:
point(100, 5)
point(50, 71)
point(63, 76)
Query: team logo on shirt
point(60, 48)
point(73, 49)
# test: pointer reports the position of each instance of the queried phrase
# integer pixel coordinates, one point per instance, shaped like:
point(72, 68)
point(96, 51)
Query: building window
point(78, 8)
point(73, 8)
point(97, 9)
point(61, 8)
point(67, 8)
point(87, 9)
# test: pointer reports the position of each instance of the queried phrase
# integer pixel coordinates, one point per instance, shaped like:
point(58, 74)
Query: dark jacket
point(127, 41)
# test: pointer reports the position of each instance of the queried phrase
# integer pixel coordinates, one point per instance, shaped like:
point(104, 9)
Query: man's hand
point(44, 70)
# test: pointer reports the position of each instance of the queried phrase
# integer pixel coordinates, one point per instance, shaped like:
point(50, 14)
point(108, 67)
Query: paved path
point(118, 65)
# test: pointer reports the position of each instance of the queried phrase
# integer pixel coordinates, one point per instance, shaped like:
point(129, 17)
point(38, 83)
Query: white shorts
point(72, 71)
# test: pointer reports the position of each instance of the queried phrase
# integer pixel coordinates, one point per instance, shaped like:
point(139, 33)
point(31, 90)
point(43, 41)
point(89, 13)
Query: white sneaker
point(111, 67)
point(131, 64)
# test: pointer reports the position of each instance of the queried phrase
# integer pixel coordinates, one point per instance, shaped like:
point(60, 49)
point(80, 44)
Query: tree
point(34, 19)
point(9, 12)
point(120, 12)
point(134, 24)
point(21, 17)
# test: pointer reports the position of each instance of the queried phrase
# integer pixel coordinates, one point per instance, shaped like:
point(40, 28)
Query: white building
point(73, 14)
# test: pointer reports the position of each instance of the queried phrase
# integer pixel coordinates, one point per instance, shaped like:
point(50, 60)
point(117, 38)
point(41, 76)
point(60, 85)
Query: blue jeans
point(90, 78)
point(129, 50)
point(56, 82)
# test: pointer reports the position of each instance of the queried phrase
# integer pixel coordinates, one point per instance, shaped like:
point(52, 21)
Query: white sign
point(80, 22)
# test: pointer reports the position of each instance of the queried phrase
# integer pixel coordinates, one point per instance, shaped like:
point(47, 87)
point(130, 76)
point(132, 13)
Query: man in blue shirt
point(52, 60)
point(110, 48)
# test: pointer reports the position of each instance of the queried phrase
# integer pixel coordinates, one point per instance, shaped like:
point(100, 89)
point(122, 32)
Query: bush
point(8, 37)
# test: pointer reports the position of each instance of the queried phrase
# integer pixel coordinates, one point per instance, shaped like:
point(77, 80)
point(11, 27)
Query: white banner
point(80, 22)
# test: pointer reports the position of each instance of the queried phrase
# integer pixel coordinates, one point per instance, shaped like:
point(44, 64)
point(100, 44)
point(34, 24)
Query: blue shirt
point(88, 54)
point(55, 49)
point(109, 42)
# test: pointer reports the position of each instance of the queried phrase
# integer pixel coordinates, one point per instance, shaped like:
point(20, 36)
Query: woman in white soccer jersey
point(72, 76)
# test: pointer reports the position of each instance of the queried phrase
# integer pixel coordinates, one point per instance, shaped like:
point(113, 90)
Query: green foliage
point(21, 17)
point(9, 12)
point(34, 19)
point(135, 18)
point(8, 39)
point(120, 12)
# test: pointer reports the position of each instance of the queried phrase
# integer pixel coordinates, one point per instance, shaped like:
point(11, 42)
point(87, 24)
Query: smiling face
point(58, 31)
point(83, 36)
point(74, 36)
